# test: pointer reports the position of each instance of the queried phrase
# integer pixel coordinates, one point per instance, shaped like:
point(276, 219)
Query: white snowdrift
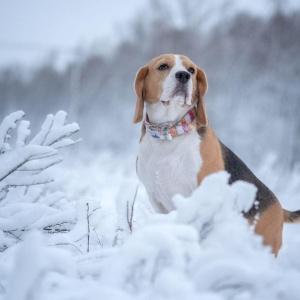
point(205, 250)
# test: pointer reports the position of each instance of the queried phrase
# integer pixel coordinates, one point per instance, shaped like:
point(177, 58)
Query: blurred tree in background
point(252, 64)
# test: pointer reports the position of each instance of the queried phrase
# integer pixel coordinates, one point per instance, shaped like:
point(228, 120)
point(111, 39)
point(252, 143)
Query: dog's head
point(170, 85)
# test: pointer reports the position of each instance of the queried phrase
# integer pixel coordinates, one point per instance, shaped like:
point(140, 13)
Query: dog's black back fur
point(239, 171)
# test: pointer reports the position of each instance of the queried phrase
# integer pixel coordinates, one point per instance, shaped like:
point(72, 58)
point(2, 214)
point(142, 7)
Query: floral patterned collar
point(169, 131)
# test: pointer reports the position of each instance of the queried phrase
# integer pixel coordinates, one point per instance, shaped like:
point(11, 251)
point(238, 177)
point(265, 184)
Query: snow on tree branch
point(23, 133)
point(22, 166)
point(55, 132)
point(7, 125)
point(15, 160)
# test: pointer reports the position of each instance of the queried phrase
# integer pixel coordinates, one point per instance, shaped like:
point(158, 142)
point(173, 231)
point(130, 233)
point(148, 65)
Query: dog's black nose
point(182, 76)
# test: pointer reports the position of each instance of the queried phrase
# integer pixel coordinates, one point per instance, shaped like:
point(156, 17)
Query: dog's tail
point(291, 216)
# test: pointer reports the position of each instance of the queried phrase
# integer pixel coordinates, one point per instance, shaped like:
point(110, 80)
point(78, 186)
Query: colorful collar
point(169, 131)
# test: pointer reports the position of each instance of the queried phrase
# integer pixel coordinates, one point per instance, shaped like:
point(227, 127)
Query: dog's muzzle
point(181, 89)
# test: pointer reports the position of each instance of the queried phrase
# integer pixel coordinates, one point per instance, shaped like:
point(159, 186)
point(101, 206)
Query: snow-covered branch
point(21, 166)
point(9, 123)
point(55, 132)
point(24, 165)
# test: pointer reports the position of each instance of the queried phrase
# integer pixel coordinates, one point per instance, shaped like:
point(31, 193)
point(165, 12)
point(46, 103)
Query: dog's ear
point(139, 85)
point(202, 88)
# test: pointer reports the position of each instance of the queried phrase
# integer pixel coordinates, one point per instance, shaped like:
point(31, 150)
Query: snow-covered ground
point(91, 234)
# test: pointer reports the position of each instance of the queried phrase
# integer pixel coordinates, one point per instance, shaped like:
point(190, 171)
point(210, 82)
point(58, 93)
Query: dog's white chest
point(167, 168)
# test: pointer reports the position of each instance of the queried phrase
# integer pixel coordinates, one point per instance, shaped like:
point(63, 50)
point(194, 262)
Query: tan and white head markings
point(170, 85)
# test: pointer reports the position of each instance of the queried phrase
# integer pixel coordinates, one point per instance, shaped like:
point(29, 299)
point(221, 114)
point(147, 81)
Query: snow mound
point(204, 250)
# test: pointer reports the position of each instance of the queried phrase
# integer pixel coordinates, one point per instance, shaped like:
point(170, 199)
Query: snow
point(54, 131)
point(23, 133)
point(7, 125)
point(41, 262)
point(72, 239)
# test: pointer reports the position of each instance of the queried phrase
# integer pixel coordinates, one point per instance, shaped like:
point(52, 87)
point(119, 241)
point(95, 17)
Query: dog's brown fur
point(270, 225)
point(211, 154)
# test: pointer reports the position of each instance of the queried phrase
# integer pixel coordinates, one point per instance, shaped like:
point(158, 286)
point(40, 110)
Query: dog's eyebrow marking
point(178, 62)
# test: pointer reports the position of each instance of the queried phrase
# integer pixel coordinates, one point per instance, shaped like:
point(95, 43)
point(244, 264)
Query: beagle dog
point(178, 148)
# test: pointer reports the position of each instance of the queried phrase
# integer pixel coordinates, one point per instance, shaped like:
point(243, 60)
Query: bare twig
point(56, 230)
point(68, 244)
point(80, 238)
point(88, 227)
point(130, 215)
point(100, 243)
point(3, 192)
point(3, 248)
point(88, 215)
point(16, 237)
point(94, 210)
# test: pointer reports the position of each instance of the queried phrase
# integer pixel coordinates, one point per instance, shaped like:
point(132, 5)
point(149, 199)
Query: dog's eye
point(163, 67)
point(191, 70)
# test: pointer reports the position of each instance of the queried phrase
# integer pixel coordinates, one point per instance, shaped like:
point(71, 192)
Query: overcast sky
point(29, 29)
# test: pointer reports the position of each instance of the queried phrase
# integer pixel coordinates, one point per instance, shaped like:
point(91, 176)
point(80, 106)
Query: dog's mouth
point(165, 103)
point(180, 96)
